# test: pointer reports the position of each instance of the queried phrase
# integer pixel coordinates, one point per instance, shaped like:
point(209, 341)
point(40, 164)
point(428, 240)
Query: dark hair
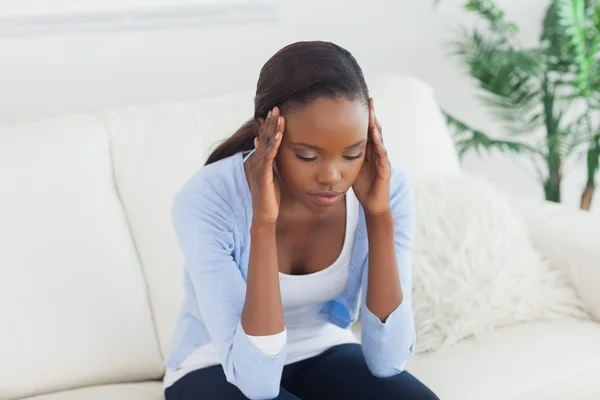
point(296, 75)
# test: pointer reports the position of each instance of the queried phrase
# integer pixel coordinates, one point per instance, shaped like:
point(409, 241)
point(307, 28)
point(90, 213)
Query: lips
point(327, 198)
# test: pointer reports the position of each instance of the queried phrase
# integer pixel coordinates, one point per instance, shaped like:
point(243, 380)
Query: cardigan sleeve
point(389, 345)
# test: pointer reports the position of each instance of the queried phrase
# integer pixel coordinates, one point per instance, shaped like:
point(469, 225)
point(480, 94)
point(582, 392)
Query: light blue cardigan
point(211, 215)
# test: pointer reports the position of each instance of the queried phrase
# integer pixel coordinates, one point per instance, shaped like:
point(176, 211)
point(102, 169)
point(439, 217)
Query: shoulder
point(214, 190)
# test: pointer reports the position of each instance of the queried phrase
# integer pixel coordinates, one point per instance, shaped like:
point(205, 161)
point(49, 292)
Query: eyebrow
point(310, 146)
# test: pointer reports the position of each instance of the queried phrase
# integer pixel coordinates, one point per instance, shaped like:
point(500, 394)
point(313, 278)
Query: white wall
point(52, 74)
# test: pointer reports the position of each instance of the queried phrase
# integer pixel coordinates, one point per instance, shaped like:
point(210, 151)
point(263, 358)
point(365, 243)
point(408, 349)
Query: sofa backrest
point(73, 303)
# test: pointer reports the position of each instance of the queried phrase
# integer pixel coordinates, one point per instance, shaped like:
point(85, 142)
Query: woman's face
point(322, 151)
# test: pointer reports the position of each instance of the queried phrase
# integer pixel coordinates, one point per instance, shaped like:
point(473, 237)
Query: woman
point(296, 223)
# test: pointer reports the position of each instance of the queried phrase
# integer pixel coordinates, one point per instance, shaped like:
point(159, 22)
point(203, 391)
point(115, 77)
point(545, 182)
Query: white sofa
point(91, 276)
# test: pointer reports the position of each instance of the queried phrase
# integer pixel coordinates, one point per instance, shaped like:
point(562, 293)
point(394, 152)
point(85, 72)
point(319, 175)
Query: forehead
point(328, 123)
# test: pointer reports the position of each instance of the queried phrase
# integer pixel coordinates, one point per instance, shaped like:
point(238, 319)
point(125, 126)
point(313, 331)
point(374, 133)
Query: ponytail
point(242, 140)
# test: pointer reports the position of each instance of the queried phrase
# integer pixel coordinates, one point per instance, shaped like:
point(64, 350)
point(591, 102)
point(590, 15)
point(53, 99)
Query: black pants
point(340, 373)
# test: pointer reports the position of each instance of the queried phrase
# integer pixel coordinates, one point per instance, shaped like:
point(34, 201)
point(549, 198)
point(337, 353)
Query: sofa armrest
point(570, 241)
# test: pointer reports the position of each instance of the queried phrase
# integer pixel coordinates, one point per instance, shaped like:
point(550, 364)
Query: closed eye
point(356, 157)
point(349, 158)
point(306, 158)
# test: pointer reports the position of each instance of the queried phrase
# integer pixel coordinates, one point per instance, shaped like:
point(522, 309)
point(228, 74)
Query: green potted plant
point(553, 87)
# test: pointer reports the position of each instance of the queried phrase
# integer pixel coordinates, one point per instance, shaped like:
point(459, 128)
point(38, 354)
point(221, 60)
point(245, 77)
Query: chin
point(319, 209)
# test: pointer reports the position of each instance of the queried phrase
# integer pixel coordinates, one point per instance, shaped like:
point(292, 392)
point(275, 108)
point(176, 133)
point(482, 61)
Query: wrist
point(262, 227)
point(380, 215)
point(383, 220)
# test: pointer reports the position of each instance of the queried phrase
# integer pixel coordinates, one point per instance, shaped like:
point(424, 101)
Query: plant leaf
point(467, 139)
point(509, 78)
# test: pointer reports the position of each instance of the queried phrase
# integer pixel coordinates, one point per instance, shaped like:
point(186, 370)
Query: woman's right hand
point(263, 183)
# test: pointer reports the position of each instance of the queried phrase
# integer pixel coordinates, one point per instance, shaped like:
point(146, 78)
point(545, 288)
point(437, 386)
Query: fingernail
point(277, 135)
point(269, 114)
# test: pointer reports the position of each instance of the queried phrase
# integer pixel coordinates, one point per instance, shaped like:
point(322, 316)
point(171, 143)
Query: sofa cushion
point(73, 300)
point(474, 266)
point(126, 391)
point(531, 361)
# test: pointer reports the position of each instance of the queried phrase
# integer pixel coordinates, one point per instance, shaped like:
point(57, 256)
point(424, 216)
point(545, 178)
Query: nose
point(329, 175)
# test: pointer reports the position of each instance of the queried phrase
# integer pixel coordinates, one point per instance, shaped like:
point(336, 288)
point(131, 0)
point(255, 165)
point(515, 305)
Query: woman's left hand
point(372, 186)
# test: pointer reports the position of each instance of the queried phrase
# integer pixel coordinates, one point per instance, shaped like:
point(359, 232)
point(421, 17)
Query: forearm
point(262, 314)
point(384, 291)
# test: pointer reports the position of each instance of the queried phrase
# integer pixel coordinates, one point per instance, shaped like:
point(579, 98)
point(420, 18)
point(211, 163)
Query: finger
point(272, 151)
point(371, 113)
point(275, 123)
point(267, 127)
point(264, 135)
point(261, 132)
point(378, 146)
point(375, 137)
point(372, 122)
point(282, 124)
point(277, 138)
point(371, 156)
point(372, 126)
point(270, 135)
point(375, 122)
point(379, 132)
